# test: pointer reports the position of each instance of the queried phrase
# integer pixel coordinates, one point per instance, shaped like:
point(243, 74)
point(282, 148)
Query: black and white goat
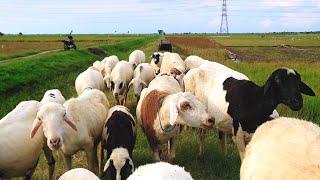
point(251, 105)
point(240, 106)
point(119, 136)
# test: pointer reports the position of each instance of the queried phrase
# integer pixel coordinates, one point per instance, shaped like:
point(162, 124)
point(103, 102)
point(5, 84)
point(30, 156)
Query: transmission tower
point(224, 19)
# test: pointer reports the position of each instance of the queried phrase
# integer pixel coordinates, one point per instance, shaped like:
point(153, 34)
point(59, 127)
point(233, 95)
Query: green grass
point(58, 37)
point(269, 40)
point(17, 55)
point(215, 164)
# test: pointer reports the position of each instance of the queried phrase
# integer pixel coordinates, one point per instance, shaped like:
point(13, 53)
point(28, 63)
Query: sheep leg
point(101, 158)
point(239, 140)
point(92, 158)
point(171, 150)
point(157, 153)
point(50, 160)
point(30, 172)
point(67, 159)
point(201, 147)
point(223, 141)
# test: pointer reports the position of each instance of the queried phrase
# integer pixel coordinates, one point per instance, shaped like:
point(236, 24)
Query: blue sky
point(147, 16)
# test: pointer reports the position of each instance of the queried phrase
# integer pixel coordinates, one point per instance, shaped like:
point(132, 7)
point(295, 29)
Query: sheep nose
point(55, 142)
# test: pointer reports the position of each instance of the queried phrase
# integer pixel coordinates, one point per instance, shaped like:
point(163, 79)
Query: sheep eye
point(39, 119)
point(120, 86)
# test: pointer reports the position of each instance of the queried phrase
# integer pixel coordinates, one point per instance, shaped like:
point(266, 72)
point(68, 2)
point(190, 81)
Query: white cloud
point(302, 20)
point(214, 22)
point(266, 24)
point(282, 3)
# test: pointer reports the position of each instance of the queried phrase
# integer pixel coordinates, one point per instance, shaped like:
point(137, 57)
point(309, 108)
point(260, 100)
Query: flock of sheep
point(170, 93)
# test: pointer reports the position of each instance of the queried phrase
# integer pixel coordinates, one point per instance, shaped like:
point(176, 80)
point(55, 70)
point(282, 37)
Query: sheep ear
point(305, 89)
point(130, 84)
point(69, 120)
point(131, 163)
point(173, 113)
point(144, 85)
point(35, 126)
point(106, 165)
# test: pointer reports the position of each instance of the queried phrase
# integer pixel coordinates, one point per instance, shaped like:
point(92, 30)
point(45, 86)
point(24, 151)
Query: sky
point(147, 16)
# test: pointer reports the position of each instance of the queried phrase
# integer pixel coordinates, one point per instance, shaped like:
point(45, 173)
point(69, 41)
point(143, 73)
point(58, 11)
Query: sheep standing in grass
point(173, 65)
point(143, 75)
point(284, 148)
point(121, 76)
point(100, 66)
point(89, 79)
point(162, 107)
point(160, 171)
point(19, 154)
point(194, 62)
point(78, 174)
point(110, 62)
point(119, 137)
point(239, 105)
point(137, 57)
point(156, 61)
point(75, 125)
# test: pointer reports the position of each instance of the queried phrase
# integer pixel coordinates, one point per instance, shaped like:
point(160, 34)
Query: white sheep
point(18, 153)
point(206, 83)
point(162, 107)
point(143, 75)
point(156, 61)
point(137, 57)
point(194, 62)
point(89, 79)
point(160, 171)
point(79, 174)
point(284, 148)
point(172, 64)
point(75, 125)
point(238, 104)
point(121, 76)
point(110, 62)
point(100, 66)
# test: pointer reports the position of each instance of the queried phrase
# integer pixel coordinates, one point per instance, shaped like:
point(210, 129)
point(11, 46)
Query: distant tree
point(161, 32)
point(1, 34)
point(20, 34)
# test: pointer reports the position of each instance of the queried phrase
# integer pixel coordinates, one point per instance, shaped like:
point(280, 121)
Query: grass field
point(13, 46)
point(30, 78)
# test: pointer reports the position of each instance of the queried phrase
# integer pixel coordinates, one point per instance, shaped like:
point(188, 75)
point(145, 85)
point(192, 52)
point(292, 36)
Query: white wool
point(111, 61)
point(137, 57)
point(157, 66)
point(121, 73)
point(284, 148)
point(143, 75)
point(170, 61)
point(16, 144)
point(19, 153)
point(87, 112)
point(289, 71)
point(119, 157)
point(170, 111)
point(194, 62)
point(79, 174)
point(99, 65)
point(89, 79)
point(160, 171)
point(53, 95)
point(119, 108)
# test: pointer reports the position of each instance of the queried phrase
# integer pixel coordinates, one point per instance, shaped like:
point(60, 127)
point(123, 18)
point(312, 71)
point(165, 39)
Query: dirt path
point(29, 56)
